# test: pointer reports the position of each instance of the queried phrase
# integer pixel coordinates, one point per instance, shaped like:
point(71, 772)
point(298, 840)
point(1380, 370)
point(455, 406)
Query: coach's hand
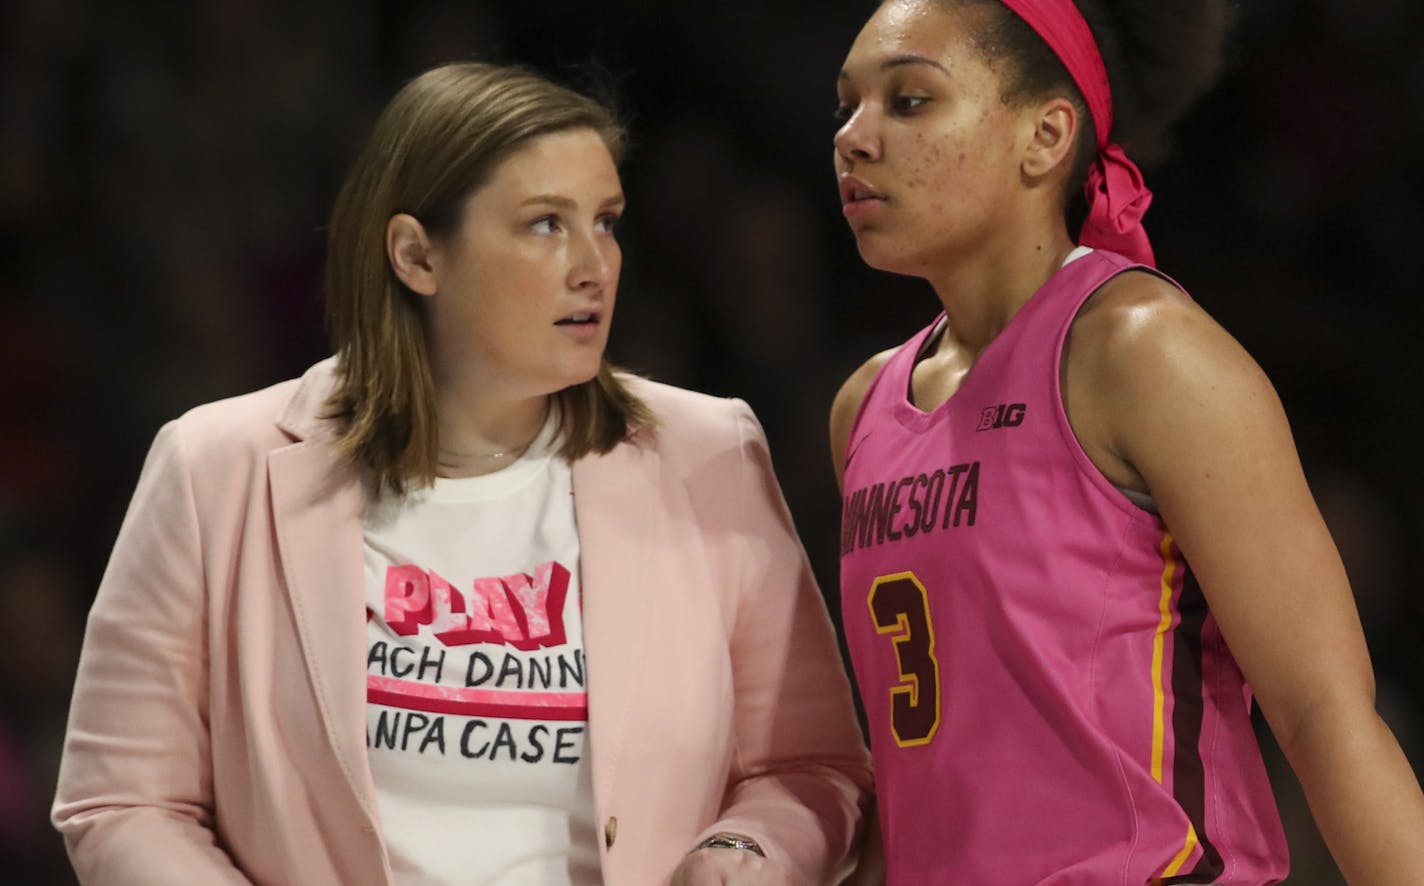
point(728, 865)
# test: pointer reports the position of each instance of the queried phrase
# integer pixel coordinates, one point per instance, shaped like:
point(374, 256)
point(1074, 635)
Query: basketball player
point(1076, 529)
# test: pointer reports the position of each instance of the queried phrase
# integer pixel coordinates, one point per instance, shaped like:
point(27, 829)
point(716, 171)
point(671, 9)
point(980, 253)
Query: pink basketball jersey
point(1049, 699)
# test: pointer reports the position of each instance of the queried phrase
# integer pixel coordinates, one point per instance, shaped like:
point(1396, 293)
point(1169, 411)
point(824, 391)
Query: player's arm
point(847, 404)
point(870, 867)
point(1181, 403)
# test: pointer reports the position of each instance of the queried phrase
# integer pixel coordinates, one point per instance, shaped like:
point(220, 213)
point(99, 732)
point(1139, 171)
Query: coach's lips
point(579, 318)
point(581, 326)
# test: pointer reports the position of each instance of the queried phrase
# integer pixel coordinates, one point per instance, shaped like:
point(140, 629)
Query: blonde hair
point(436, 143)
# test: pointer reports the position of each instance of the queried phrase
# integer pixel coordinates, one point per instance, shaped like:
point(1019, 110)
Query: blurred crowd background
point(166, 169)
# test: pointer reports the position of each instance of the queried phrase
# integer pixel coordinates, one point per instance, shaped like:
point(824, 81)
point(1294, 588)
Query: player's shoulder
point(1142, 336)
point(848, 402)
point(1134, 302)
point(1138, 317)
point(853, 391)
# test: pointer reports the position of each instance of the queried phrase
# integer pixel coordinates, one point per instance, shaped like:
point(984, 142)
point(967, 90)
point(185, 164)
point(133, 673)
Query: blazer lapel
point(616, 539)
point(316, 509)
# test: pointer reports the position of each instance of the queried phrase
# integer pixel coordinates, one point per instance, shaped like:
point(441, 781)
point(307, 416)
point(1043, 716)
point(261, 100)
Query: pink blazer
point(217, 733)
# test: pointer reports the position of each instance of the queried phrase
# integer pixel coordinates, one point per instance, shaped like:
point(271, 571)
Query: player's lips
point(857, 197)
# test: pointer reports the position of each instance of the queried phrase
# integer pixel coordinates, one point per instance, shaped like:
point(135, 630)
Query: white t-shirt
point(476, 708)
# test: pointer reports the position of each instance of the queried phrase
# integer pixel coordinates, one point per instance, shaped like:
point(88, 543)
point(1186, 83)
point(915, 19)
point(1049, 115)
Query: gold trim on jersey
point(1159, 694)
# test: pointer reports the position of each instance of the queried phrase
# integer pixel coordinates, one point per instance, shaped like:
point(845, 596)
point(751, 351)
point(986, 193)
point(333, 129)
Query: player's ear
point(1053, 130)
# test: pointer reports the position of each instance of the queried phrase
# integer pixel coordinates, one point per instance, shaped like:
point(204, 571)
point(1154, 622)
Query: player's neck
point(982, 295)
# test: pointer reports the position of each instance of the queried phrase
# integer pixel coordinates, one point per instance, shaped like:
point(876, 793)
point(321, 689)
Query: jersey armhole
point(1142, 507)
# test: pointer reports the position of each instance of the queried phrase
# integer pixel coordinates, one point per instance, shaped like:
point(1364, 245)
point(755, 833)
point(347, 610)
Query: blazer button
point(610, 831)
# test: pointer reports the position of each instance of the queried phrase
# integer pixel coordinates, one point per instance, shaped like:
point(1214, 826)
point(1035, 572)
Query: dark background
point(166, 169)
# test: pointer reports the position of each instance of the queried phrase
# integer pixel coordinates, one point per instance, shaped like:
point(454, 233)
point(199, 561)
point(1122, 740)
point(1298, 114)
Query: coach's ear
point(409, 251)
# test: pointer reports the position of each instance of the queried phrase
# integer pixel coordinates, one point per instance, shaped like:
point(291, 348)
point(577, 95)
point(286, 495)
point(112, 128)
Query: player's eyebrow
point(904, 58)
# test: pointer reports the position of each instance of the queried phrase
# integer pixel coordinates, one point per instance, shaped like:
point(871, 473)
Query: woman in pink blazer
point(594, 649)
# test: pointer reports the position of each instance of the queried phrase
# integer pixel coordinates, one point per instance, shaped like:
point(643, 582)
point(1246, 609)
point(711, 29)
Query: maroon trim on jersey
point(1188, 778)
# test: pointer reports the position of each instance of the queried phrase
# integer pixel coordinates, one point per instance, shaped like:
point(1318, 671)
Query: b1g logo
point(1005, 415)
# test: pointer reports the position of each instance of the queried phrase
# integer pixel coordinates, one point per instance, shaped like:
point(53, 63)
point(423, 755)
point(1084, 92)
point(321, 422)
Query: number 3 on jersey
point(900, 607)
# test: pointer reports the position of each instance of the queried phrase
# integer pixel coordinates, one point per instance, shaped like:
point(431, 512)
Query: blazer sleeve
point(135, 800)
point(801, 773)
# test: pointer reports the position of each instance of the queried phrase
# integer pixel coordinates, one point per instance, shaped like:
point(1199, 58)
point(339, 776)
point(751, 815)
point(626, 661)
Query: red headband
point(1117, 196)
